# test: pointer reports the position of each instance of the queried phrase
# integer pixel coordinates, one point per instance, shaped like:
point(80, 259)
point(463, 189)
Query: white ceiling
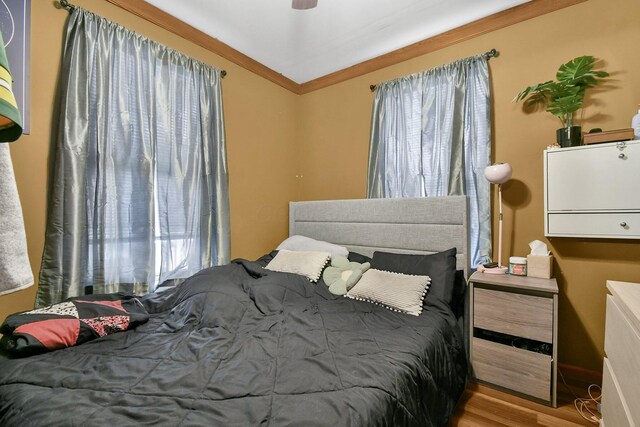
point(306, 44)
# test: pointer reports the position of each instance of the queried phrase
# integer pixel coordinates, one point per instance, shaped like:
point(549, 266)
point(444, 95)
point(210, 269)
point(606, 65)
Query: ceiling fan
point(304, 4)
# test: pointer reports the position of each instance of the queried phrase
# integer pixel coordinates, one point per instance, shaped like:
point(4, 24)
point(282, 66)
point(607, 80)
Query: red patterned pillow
point(72, 322)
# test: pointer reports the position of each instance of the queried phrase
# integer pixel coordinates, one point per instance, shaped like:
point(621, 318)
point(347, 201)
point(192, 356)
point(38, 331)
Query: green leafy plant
point(564, 97)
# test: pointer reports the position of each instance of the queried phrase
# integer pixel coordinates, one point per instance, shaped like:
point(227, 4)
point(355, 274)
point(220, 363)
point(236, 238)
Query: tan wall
point(260, 140)
point(274, 135)
point(336, 130)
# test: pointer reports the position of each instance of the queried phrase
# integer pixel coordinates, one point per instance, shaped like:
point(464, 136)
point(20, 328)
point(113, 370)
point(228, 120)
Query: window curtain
point(139, 190)
point(431, 136)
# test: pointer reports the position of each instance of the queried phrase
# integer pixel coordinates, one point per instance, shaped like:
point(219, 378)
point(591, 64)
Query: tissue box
point(539, 266)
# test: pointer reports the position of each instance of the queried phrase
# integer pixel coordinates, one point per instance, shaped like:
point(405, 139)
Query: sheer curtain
point(139, 192)
point(431, 136)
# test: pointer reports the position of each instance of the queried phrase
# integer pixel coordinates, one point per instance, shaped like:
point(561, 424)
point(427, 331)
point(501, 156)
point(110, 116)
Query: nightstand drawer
point(515, 314)
point(513, 368)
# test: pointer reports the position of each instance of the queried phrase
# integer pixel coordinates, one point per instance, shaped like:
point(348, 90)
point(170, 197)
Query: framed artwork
point(15, 23)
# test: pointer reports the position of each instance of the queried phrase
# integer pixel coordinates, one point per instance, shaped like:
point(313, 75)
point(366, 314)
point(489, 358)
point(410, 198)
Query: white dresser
point(621, 370)
point(593, 191)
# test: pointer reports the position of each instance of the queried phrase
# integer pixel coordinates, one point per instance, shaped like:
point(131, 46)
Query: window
point(140, 188)
point(430, 136)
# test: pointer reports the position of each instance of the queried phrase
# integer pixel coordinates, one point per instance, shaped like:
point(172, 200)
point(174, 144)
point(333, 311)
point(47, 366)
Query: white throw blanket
point(15, 270)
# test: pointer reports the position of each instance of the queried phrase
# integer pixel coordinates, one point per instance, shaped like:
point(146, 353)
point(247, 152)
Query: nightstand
point(514, 333)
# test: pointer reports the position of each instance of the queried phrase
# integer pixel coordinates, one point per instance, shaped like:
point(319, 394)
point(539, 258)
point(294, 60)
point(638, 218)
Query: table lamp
point(498, 173)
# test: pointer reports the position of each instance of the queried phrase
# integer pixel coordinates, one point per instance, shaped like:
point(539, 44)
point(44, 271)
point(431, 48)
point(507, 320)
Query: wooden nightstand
point(514, 332)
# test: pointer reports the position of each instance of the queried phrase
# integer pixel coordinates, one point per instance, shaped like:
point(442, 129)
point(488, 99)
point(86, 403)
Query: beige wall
point(273, 136)
point(336, 130)
point(260, 140)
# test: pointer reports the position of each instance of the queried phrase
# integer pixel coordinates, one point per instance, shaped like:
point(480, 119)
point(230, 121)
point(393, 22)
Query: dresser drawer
point(614, 225)
point(521, 315)
point(597, 177)
point(615, 411)
point(513, 368)
point(622, 345)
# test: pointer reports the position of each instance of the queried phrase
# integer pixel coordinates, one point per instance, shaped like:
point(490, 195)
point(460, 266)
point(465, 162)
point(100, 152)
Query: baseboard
point(579, 377)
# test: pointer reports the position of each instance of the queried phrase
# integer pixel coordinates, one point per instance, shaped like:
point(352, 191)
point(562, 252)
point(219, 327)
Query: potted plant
point(564, 97)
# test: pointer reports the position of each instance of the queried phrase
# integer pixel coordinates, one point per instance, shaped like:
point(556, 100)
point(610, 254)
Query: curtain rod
point(490, 54)
point(64, 4)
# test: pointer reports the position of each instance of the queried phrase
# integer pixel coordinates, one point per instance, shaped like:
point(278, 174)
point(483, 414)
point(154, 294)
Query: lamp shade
point(498, 173)
point(10, 120)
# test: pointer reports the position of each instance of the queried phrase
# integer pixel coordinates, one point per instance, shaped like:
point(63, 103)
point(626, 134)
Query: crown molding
point(180, 28)
point(477, 28)
point(468, 31)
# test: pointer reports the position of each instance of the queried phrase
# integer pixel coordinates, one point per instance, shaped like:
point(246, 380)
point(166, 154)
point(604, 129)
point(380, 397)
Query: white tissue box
point(539, 266)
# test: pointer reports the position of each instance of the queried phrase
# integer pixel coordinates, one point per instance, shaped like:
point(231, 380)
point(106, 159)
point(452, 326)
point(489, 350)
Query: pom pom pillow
point(398, 292)
point(305, 263)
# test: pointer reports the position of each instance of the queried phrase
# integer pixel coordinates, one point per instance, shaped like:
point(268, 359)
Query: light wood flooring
point(484, 406)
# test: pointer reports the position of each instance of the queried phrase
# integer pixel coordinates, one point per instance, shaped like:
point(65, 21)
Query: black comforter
point(239, 345)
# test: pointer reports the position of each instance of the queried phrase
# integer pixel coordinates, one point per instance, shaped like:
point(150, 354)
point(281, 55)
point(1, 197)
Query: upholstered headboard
point(407, 225)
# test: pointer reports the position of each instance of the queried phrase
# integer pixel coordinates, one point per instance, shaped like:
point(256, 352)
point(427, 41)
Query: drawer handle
point(623, 224)
point(621, 156)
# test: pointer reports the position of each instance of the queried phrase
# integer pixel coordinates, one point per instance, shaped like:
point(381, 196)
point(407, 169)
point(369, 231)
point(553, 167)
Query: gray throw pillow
point(440, 267)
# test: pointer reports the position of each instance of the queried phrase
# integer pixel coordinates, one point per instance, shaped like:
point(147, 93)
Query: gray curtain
point(431, 136)
point(139, 193)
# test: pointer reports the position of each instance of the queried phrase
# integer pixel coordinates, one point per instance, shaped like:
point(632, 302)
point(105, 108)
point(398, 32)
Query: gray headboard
point(407, 225)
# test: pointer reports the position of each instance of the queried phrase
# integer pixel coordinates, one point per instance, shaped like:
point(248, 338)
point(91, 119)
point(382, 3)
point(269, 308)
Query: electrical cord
point(586, 407)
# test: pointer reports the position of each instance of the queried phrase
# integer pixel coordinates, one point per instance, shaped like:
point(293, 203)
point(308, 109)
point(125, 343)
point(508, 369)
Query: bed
point(242, 345)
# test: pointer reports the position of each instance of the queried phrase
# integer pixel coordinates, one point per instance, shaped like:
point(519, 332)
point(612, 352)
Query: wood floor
point(483, 406)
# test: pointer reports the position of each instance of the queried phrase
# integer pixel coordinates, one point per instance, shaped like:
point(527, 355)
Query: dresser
point(593, 191)
point(621, 370)
point(514, 330)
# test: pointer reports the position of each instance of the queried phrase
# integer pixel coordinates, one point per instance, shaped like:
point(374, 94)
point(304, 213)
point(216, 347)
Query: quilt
point(242, 345)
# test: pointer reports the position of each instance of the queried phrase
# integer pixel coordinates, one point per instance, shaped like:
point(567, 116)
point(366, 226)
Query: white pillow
point(302, 243)
point(395, 291)
point(305, 263)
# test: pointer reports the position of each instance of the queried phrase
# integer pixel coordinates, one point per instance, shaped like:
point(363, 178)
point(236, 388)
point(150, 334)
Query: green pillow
point(342, 274)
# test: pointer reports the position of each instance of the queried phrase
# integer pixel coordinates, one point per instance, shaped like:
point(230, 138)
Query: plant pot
point(570, 136)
